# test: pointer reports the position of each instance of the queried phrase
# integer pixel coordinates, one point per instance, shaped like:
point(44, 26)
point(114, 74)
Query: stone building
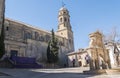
point(79, 57)
point(27, 41)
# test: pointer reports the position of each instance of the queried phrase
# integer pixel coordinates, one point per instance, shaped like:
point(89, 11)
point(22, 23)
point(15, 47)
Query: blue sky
point(87, 16)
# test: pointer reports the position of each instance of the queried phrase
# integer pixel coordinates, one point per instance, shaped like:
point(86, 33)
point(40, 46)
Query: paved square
point(52, 73)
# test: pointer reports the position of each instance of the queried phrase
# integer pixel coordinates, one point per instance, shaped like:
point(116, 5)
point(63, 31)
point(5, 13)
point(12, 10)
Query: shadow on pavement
point(40, 73)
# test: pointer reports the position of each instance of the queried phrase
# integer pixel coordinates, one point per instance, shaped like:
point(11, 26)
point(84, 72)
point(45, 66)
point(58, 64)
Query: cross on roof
point(63, 4)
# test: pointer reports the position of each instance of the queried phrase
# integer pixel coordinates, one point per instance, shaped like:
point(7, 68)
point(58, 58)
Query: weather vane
point(63, 4)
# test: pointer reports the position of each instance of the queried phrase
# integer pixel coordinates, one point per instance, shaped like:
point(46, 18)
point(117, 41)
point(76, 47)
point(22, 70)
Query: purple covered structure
point(24, 62)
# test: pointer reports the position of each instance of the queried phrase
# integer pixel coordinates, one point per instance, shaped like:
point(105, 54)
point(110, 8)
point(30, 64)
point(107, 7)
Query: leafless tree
point(113, 39)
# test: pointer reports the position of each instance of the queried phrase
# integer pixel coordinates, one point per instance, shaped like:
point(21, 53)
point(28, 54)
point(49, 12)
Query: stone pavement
point(52, 73)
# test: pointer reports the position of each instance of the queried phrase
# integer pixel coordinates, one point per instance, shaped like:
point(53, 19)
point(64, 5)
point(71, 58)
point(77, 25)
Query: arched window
point(41, 38)
point(70, 41)
point(28, 36)
point(60, 19)
point(36, 35)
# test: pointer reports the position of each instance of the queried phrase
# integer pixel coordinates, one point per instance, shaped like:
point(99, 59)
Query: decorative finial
point(63, 4)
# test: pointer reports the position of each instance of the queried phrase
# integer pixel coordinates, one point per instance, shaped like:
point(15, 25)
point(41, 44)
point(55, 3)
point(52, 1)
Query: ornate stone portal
point(99, 56)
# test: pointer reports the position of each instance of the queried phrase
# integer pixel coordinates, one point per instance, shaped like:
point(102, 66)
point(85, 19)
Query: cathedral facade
point(25, 40)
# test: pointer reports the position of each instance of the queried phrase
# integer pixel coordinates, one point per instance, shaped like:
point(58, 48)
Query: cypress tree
point(48, 53)
point(52, 50)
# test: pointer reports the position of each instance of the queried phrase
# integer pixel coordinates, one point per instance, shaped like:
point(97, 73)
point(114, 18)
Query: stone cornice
point(31, 26)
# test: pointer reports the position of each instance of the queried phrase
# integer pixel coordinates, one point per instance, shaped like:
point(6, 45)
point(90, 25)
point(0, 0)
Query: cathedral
point(25, 40)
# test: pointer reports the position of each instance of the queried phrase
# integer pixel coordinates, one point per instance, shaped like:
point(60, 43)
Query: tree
point(113, 39)
point(2, 45)
point(49, 56)
point(52, 50)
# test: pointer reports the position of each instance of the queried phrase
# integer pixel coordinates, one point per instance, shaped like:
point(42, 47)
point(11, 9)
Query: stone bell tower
point(64, 27)
point(2, 9)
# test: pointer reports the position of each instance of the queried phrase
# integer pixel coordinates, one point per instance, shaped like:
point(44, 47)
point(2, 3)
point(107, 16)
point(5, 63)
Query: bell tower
point(2, 9)
point(64, 27)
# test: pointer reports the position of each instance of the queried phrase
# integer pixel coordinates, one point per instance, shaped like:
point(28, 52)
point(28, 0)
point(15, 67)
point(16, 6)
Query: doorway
point(13, 53)
point(80, 63)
